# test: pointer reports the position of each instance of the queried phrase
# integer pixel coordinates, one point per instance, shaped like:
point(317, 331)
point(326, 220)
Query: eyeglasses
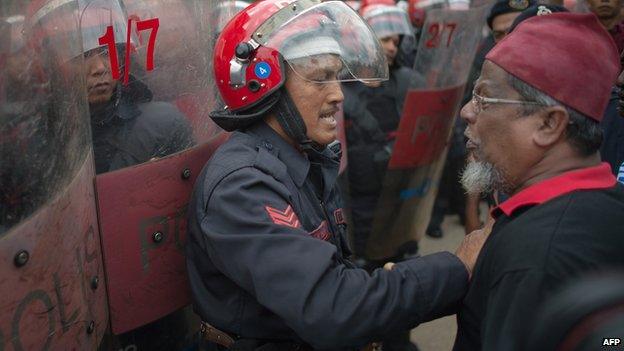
point(478, 101)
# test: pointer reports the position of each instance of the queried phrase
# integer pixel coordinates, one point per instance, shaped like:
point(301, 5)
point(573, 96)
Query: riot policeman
point(373, 114)
point(128, 127)
point(266, 249)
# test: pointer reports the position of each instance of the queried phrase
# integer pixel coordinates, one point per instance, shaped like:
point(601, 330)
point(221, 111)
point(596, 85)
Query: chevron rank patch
point(287, 217)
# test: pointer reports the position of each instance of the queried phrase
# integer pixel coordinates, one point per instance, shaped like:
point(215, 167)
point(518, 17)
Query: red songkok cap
point(568, 56)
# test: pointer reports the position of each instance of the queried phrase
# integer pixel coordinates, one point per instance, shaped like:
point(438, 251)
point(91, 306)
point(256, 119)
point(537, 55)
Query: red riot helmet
point(417, 9)
point(416, 13)
point(268, 38)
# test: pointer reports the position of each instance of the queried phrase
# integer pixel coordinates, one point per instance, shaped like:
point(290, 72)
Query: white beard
point(482, 178)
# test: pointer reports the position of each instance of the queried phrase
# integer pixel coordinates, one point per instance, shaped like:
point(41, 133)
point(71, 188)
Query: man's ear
point(552, 126)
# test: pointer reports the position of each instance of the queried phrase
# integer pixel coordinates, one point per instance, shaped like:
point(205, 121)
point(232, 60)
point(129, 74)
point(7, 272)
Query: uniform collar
point(596, 177)
point(296, 163)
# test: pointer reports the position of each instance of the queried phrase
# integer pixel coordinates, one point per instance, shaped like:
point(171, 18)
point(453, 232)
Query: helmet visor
point(325, 42)
point(387, 21)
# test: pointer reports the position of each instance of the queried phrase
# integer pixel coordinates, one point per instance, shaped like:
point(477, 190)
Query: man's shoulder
point(159, 108)
point(245, 155)
point(160, 113)
point(580, 225)
point(590, 205)
point(593, 207)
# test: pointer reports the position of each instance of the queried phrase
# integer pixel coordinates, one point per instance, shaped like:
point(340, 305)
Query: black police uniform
point(371, 115)
point(544, 237)
point(267, 257)
point(132, 129)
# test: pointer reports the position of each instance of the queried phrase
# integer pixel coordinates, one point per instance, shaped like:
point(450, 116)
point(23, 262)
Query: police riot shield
point(149, 91)
point(53, 293)
point(445, 53)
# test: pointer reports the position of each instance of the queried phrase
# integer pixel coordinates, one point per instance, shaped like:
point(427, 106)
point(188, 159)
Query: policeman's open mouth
point(329, 117)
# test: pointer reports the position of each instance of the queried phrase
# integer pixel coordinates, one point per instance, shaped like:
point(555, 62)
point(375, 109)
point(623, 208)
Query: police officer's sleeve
point(300, 278)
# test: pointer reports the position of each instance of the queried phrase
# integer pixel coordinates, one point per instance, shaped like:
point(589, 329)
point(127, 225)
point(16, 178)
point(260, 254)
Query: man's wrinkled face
point(390, 47)
point(501, 25)
point(313, 86)
point(605, 9)
point(100, 82)
point(498, 136)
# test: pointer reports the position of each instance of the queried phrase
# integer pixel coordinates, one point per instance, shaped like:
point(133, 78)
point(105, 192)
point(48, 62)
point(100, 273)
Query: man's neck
point(272, 122)
point(556, 164)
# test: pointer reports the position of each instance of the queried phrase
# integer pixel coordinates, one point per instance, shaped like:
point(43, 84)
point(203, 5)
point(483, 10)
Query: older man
point(533, 129)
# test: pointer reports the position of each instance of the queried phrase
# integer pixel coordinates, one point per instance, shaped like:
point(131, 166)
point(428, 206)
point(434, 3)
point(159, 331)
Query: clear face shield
point(324, 43)
point(387, 21)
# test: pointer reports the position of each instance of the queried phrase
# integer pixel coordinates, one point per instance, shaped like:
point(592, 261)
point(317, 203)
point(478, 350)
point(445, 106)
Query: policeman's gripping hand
point(469, 249)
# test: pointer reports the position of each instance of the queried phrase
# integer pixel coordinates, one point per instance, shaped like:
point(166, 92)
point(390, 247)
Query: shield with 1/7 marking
point(151, 135)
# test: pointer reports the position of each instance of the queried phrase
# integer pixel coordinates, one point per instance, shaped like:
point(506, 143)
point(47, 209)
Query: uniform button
point(268, 146)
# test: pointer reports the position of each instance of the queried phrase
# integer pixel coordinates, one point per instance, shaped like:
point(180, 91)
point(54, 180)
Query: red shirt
point(597, 177)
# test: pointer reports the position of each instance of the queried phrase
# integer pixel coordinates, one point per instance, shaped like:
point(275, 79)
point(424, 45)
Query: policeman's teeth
point(329, 115)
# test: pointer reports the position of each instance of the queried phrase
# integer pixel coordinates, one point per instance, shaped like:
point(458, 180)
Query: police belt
point(214, 335)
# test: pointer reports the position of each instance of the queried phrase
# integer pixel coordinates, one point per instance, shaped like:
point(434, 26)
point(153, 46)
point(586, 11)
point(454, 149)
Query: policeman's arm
point(300, 278)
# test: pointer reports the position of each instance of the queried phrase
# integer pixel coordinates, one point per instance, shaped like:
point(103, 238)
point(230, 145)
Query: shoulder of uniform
point(242, 150)
point(237, 152)
point(160, 113)
point(159, 108)
point(267, 161)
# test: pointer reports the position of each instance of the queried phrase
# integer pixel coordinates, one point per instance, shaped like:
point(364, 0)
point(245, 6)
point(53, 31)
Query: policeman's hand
point(469, 249)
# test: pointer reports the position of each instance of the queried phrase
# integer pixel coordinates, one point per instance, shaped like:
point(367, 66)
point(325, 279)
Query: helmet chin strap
point(292, 123)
